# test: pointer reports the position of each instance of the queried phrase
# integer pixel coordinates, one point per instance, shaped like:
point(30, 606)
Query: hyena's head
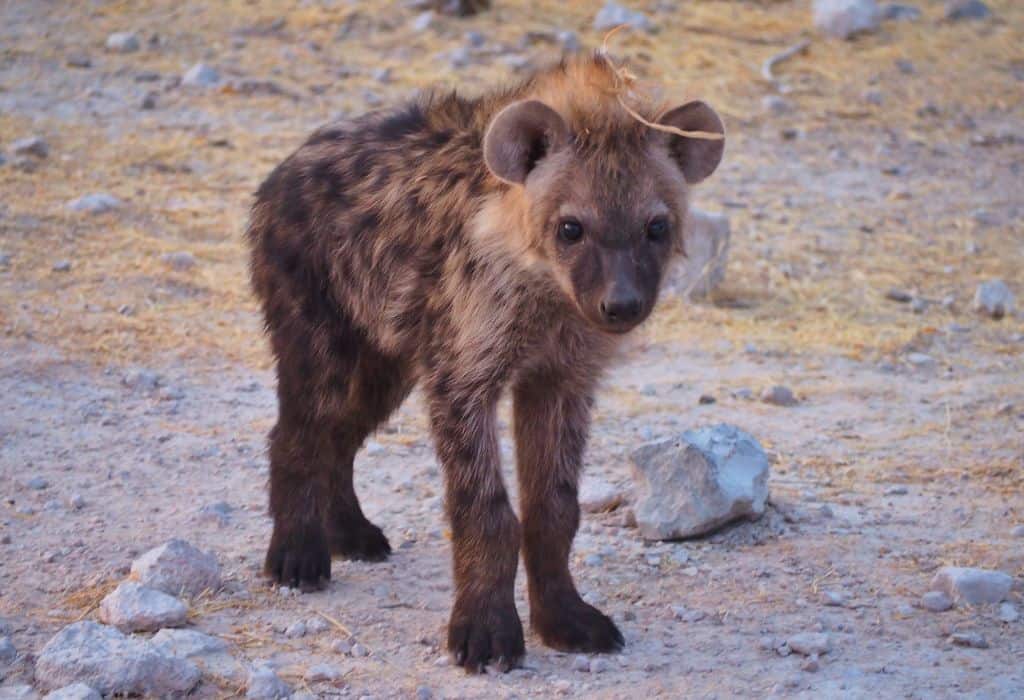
point(604, 196)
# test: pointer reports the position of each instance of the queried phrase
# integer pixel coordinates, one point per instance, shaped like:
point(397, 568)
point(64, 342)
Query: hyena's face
point(605, 214)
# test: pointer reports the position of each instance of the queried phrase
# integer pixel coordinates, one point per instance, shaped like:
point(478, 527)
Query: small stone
point(341, 646)
point(598, 496)
point(994, 298)
point(181, 260)
point(1008, 613)
point(811, 664)
point(176, 567)
point(810, 643)
point(62, 266)
point(900, 12)
point(37, 483)
point(969, 639)
point(698, 482)
point(296, 630)
point(966, 9)
point(598, 664)
point(844, 19)
point(76, 501)
point(112, 663)
point(442, 661)
point(219, 513)
point(581, 663)
point(706, 400)
point(569, 42)
point(359, 651)
point(423, 21)
point(896, 491)
point(424, 693)
point(920, 359)
point(778, 395)
point(613, 14)
point(776, 105)
point(134, 608)
point(1017, 531)
point(75, 691)
point(123, 42)
point(264, 684)
point(973, 586)
point(78, 60)
point(201, 75)
point(899, 295)
point(317, 625)
point(936, 601)
point(321, 673)
point(31, 146)
point(95, 203)
point(7, 651)
point(833, 598)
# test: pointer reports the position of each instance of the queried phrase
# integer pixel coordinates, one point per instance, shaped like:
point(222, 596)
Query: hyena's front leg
point(484, 624)
point(552, 418)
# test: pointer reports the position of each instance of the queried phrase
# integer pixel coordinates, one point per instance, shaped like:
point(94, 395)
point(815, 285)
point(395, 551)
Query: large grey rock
point(706, 237)
point(95, 203)
point(207, 652)
point(613, 14)
point(264, 684)
point(75, 691)
point(110, 662)
point(177, 568)
point(994, 298)
point(694, 484)
point(972, 586)
point(843, 19)
point(134, 608)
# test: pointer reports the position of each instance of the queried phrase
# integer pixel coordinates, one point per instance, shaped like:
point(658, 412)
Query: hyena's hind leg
point(376, 387)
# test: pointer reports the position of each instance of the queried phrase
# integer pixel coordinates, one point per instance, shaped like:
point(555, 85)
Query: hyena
point(468, 245)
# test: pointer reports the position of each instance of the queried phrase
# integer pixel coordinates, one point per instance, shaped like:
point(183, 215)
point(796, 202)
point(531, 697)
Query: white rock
point(208, 653)
point(176, 567)
point(706, 237)
point(973, 586)
point(810, 643)
point(264, 684)
point(95, 203)
point(123, 42)
point(845, 18)
point(1008, 613)
point(581, 663)
point(994, 298)
point(698, 482)
point(110, 662)
point(295, 630)
point(134, 608)
point(936, 601)
point(322, 672)
point(597, 496)
point(201, 75)
point(613, 14)
point(75, 691)
point(423, 21)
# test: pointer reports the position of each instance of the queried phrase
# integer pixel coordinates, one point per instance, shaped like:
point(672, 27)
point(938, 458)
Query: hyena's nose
point(621, 308)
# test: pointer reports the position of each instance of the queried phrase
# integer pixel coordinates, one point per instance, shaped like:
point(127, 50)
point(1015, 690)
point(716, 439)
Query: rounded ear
point(696, 157)
point(521, 135)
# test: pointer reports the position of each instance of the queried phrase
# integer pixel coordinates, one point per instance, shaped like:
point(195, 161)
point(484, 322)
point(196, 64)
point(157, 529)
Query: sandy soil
point(889, 467)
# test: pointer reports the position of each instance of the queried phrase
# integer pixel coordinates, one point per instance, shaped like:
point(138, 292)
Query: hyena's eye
point(570, 230)
point(657, 228)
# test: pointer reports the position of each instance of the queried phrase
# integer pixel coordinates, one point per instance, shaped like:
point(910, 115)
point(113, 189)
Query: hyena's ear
point(521, 135)
point(697, 157)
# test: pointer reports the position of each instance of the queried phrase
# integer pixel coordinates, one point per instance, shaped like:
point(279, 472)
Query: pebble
point(264, 684)
point(810, 643)
point(581, 663)
point(37, 483)
point(598, 496)
point(358, 650)
point(62, 266)
point(896, 491)
point(833, 598)
point(317, 625)
point(424, 693)
point(322, 672)
point(134, 608)
point(811, 664)
point(201, 75)
point(776, 105)
point(296, 630)
point(936, 601)
point(341, 646)
point(844, 19)
point(779, 395)
point(78, 60)
point(1017, 531)
point(31, 146)
point(1008, 613)
point(920, 359)
point(966, 9)
point(75, 691)
point(919, 306)
point(969, 639)
point(423, 21)
point(111, 663)
point(613, 14)
point(177, 567)
point(994, 298)
point(706, 400)
point(180, 260)
point(599, 665)
point(95, 203)
point(123, 42)
point(973, 586)
point(77, 501)
point(898, 11)
point(900, 296)
point(219, 513)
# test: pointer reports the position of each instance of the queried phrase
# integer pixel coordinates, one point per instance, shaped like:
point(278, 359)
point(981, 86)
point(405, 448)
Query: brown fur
point(385, 253)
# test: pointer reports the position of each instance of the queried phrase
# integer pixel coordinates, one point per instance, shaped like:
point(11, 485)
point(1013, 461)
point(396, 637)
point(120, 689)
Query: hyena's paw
point(483, 632)
point(363, 541)
point(299, 558)
point(570, 624)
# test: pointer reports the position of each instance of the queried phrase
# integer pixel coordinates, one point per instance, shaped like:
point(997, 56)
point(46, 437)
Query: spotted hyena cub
point(469, 246)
